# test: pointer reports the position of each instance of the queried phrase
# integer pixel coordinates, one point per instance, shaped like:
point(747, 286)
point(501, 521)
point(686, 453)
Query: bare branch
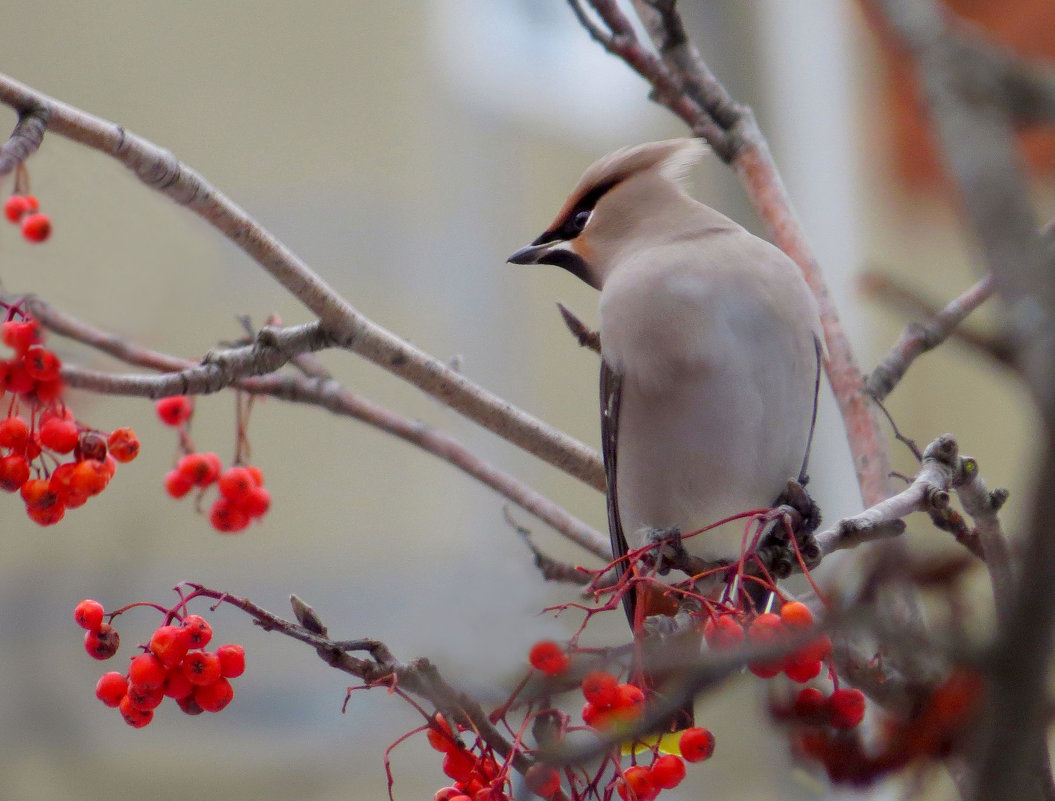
point(917, 339)
point(24, 139)
point(317, 389)
point(349, 328)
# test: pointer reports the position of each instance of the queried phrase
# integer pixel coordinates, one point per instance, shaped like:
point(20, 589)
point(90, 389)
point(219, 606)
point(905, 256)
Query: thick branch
point(350, 329)
point(317, 390)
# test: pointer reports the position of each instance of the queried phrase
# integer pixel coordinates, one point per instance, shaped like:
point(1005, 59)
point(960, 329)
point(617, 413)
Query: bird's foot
point(793, 523)
point(684, 620)
point(666, 549)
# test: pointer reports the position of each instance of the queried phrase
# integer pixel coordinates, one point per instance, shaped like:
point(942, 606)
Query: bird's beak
point(534, 253)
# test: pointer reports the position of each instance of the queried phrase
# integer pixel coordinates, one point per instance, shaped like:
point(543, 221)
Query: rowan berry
point(170, 644)
point(144, 698)
point(45, 392)
point(14, 472)
point(59, 435)
point(811, 706)
point(37, 494)
point(59, 483)
point(816, 650)
point(102, 643)
point(458, 764)
point(548, 657)
point(846, 708)
point(441, 736)
point(257, 502)
point(723, 633)
point(189, 705)
point(48, 515)
point(176, 484)
point(227, 517)
point(450, 794)
point(41, 363)
point(20, 334)
point(147, 672)
point(214, 696)
point(637, 784)
point(133, 716)
point(599, 688)
point(123, 444)
point(36, 227)
point(16, 206)
point(256, 474)
point(629, 702)
point(542, 780)
point(18, 380)
point(200, 630)
point(14, 433)
point(232, 660)
point(796, 615)
point(236, 483)
point(765, 628)
point(696, 744)
point(89, 477)
point(201, 667)
point(177, 685)
point(667, 771)
point(174, 410)
point(595, 717)
point(91, 445)
point(199, 469)
point(89, 614)
point(801, 670)
point(111, 688)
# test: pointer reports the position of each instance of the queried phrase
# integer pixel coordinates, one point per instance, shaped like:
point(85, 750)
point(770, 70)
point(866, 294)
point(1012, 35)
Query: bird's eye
point(579, 220)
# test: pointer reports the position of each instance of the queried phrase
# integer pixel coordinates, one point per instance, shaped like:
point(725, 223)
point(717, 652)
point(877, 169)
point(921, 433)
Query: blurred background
point(404, 149)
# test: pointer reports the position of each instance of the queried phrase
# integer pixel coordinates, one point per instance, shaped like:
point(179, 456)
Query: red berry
point(144, 698)
point(89, 477)
point(92, 445)
point(14, 433)
point(111, 688)
point(765, 628)
point(123, 444)
point(37, 494)
point(846, 708)
point(199, 469)
point(629, 702)
point(458, 764)
point(440, 735)
point(256, 474)
point(176, 484)
point(189, 705)
point(20, 334)
point(450, 794)
point(667, 771)
point(795, 615)
point(16, 206)
point(637, 780)
point(59, 483)
point(801, 671)
point(232, 660)
point(41, 363)
point(14, 472)
point(548, 657)
point(236, 483)
point(177, 685)
point(816, 650)
point(811, 706)
point(170, 644)
point(102, 643)
point(48, 391)
point(201, 668)
point(542, 780)
point(59, 435)
point(36, 227)
point(696, 744)
point(89, 614)
point(595, 716)
point(48, 515)
point(257, 502)
point(174, 410)
point(215, 696)
point(599, 688)
point(227, 517)
point(200, 630)
point(147, 672)
point(18, 380)
point(133, 716)
point(723, 633)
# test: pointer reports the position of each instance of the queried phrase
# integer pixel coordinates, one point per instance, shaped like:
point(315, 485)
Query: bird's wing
point(611, 393)
point(820, 349)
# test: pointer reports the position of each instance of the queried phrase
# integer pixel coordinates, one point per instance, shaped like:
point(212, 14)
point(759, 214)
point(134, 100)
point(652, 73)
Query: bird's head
point(625, 200)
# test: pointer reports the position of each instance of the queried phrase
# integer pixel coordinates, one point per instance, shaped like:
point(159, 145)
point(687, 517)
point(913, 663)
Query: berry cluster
point(24, 211)
point(724, 631)
point(475, 771)
point(174, 664)
point(55, 462)
point(242, 497)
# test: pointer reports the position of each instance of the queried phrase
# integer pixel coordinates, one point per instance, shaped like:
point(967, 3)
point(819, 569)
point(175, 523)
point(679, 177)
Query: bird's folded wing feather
point(611, 392)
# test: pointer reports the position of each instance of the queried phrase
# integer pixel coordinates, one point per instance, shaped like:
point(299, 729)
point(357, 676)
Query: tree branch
point(349, 328)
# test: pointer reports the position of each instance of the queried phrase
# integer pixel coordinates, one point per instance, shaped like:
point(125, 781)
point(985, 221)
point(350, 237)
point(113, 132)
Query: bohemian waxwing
point(710, 344)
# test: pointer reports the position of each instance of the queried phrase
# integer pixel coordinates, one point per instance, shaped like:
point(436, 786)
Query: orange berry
point(201, 668)
point(232, 660)
point(170, 644)
point(46, 516)
point(667, 771)
point(90, 477)
point(214, 696)
point(796, 615)
point(200, 630)
point(111, 688)
point(89, 614)
point(14, 433)
point(60, 436)
point(637, 784)
point(37, 494)
point(723, 633)
point(599, 688)
point(123, 444)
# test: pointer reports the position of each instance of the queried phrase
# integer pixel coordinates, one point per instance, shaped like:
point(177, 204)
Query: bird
point(711, 347)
